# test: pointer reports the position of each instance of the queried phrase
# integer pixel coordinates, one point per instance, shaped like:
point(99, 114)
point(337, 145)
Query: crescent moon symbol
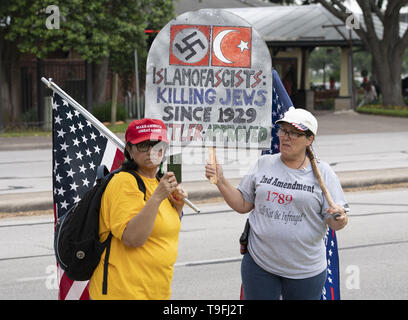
point(217, 45)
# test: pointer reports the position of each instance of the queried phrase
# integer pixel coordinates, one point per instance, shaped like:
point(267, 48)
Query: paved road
point(30, 170)
point(372, 252)
point(25, 171)
point(27, 263)
point(348, 141)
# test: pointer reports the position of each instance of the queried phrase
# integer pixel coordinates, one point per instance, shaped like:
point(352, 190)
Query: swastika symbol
point(190, 46)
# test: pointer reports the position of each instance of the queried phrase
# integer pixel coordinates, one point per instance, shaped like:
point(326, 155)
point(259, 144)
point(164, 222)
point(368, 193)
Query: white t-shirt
point(288, 220)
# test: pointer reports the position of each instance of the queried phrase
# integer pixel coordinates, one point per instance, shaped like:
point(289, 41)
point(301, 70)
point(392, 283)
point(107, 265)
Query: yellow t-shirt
point(135, 273)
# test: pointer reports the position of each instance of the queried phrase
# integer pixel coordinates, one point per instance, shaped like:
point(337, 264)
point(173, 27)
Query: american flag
point(78, 149)
point(280, 104)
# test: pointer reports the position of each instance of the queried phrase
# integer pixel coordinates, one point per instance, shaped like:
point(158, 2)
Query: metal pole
point(100, 126)
point(89, 116)
point(138, 112)
point(353, 96)
point(40, 92)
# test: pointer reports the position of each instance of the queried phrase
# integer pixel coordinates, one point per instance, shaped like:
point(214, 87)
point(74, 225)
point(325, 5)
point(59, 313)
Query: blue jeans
point(259, 284)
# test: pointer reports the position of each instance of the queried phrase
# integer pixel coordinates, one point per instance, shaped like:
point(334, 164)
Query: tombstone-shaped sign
point(209, 78)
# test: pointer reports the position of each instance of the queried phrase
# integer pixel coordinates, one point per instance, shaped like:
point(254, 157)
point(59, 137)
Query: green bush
point(103, 112)
point(395, 111)
point(30, 115)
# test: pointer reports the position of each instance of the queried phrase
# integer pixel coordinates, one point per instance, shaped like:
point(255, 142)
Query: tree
point(98, 30)
point(125, 25)
point(23, 29)
point(160, 13)
point(123, 44)
point(387, 52)
point(126, 37)
point(325, 59)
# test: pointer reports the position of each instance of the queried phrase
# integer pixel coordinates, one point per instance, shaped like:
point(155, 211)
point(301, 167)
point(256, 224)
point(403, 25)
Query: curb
point(203, 190)
point(366, 178)
point(29, 201)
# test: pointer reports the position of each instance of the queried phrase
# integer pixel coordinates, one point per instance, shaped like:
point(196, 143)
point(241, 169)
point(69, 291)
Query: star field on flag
point(78, 149)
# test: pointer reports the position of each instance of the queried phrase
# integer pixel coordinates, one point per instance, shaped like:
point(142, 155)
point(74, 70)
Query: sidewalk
point(329, 124)
point(203, 190)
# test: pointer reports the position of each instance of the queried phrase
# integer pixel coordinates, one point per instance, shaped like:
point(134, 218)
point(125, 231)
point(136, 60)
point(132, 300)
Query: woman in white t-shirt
point(286, 253)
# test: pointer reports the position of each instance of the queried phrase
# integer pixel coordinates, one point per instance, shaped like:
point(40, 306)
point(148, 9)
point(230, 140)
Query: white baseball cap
point(301, 119)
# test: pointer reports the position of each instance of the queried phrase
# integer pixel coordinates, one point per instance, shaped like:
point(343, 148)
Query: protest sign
point(209, 78)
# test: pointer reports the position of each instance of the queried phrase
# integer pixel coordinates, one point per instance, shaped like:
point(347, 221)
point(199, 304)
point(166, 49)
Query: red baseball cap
point(146, 129)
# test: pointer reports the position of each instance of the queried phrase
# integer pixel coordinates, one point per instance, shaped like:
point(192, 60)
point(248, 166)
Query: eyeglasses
point(146, 145)
point(291, 134)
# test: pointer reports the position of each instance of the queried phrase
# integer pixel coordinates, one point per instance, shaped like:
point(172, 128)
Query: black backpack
point(76, 238)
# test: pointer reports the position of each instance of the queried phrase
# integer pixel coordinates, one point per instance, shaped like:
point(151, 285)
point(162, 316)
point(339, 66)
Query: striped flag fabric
point(280, 104)
point(78, 149)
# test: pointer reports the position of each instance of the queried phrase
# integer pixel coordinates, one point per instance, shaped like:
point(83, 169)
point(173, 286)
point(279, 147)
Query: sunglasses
point(146, 145)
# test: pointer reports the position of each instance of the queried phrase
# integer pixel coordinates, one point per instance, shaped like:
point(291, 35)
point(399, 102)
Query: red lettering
point(197, 132)
point(281, 198)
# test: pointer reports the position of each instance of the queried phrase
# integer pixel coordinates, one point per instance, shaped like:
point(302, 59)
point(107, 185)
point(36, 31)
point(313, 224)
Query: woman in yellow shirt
point(145, 230)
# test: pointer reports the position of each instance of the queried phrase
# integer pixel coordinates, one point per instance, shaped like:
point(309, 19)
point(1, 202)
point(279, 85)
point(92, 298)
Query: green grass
point(119, 128)
point(393, 111)
point(7, 133)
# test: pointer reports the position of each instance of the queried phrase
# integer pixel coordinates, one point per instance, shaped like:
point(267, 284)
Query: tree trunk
point(11, 82)
point(388, 73)
point(387, 52)
point(114, 98)
point(15, 89)
point(99, 75)
point(5, 89)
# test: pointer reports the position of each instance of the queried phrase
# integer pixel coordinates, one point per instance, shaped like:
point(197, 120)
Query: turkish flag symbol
point(231, 47)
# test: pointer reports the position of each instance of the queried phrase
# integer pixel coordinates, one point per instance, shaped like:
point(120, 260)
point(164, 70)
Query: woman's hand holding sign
point(231, 195)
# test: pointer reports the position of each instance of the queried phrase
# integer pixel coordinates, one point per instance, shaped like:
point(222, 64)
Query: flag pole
point(89, 116)
point(100, 126)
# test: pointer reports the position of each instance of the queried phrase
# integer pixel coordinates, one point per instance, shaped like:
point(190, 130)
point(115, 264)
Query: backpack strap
point(105, 265)
point(103, 172)
point(140, 182)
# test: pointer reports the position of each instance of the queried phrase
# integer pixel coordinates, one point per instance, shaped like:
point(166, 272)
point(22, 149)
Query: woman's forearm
point(140, 226)
point(233, 197)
